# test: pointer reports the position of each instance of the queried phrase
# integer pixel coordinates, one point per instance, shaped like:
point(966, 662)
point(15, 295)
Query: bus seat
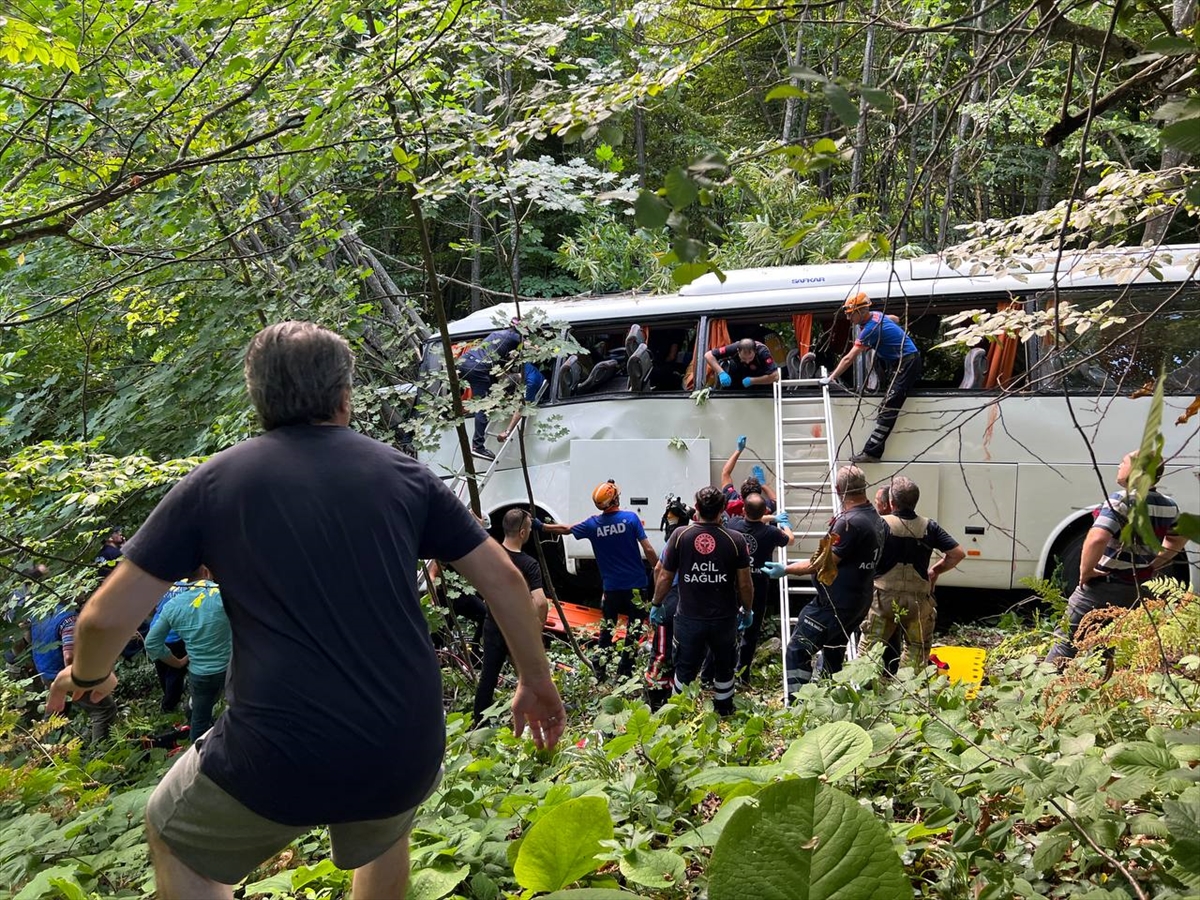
point(808, 365)
point(636, 338)
point(602, 372)
point(975, 368)
point(639, 365)
point(791, 368)
point(570, 373)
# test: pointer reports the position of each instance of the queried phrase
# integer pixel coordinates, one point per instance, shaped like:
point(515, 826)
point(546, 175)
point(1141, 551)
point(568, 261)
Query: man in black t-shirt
point(517, 528)
point(826, 622)
point(314, 532)
point(714, 581)
point(762, 540)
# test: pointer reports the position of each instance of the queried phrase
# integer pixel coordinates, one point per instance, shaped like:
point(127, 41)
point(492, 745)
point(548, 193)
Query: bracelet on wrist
point(88, 682)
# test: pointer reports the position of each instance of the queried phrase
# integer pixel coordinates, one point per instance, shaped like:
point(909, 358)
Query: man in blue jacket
point(896, 359)
point(53, 643)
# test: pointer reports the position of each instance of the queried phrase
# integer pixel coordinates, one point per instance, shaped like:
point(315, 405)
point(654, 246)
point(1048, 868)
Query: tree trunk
point(790, 105)
point(860, 133)
point(1183, 16)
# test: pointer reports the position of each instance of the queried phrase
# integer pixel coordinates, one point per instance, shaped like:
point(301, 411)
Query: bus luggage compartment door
point(647, 471)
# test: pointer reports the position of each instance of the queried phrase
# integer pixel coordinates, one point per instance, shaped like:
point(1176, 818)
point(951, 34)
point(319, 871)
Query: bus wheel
point(1064, 562)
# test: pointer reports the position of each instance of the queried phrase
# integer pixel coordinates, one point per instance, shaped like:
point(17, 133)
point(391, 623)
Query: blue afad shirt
point(616, 539)
point(886, 338)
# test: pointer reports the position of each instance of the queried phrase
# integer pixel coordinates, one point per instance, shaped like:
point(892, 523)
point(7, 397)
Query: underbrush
point(1039, 785)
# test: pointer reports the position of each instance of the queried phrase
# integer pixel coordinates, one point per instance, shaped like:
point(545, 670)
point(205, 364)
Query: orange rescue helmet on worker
point(606, 495)
point(857, 302)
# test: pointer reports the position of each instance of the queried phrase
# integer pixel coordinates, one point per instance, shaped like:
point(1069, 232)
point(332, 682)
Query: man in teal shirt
point(194, 611)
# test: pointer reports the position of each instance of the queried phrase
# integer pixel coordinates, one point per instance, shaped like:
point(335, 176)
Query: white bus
point(1011, 453)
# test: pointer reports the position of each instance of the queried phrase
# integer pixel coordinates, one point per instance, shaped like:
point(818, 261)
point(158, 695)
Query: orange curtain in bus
point(1002, 355)
point(802, 325)
point(718, 336)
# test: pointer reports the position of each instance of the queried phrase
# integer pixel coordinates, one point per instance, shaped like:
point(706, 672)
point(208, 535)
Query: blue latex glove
point(759, 475)
point(745, 618)
point(774, 569)
point(536, 524)
point(782, 520)
point(658, 615)
point(741, 442)
point(724, 378)
point(746, 381)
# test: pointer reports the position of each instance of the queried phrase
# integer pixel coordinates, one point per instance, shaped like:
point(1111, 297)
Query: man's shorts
point(217, 837)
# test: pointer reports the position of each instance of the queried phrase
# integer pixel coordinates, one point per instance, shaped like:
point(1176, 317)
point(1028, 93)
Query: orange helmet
point(606, 495)
point(855, 303)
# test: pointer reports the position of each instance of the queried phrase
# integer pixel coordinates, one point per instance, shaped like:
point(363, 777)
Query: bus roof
point(831, 283)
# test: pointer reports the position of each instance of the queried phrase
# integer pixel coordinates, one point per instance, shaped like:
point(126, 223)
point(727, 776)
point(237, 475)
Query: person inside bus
point(896, 358)
point(746, 363)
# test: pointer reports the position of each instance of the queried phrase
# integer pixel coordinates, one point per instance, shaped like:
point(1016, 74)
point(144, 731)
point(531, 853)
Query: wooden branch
point(1136, 84)
point(1060, 28)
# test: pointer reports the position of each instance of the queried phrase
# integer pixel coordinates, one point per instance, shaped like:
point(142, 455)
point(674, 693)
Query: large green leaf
point(433, 884)
point(654, 868)
point(806, 841)
point(830, 750)
point(1183, 821)
point(563, 845)
point(589, 894)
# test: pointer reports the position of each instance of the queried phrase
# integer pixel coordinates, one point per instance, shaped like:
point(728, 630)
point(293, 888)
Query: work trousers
point(495, 652)
point(1096, 594)
point(628, 603)
point(911, 615)
point(897, 380)
point(748, 639)
point(101, 713)
point(660, 674)
point(206, 691)
point(171, 679)
point(696, 638)
point(822, 628)
point(478, 375)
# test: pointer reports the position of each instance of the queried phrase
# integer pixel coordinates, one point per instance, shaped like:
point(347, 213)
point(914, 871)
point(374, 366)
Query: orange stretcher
point(585, 619)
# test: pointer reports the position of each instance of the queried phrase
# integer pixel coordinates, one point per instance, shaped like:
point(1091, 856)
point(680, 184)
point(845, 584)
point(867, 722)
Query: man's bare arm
point(845, 361)
point(541, 605)
point(554, 528)
point(662, 583)
point(649, 553)
point(1093, 551)
point(113, 613)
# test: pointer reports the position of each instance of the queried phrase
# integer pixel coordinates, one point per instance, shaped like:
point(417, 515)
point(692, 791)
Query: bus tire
point(1064, 560)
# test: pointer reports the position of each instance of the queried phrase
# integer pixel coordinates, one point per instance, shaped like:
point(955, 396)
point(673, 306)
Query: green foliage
point(563, 844)
point(803, 840)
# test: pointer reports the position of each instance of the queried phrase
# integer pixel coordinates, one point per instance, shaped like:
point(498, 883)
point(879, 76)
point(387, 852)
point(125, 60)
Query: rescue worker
point(856, 538)
point(746, 364)
point(762, 540)
point(883, 500)
point(477, 367)
point(617, 535)
point(904, 605)
point(896, 359)
point(1111, 570)
point(755, 484)
point(716, 597)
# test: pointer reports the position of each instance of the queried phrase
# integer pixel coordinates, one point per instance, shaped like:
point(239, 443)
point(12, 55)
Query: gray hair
point(850, 480)
point(905, 493)
point(297, 373)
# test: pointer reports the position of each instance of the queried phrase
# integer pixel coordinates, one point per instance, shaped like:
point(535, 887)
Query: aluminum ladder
point(805, 472)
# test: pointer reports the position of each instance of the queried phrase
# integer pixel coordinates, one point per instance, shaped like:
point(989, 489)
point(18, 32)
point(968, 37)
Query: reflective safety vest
point(907, 538)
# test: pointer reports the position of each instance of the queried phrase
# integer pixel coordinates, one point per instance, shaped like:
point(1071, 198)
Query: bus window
point(664, 350)
point(799, 342)
point(1158, 334)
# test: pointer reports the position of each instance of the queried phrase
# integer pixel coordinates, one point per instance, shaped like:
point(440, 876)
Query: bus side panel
point(647, 471)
